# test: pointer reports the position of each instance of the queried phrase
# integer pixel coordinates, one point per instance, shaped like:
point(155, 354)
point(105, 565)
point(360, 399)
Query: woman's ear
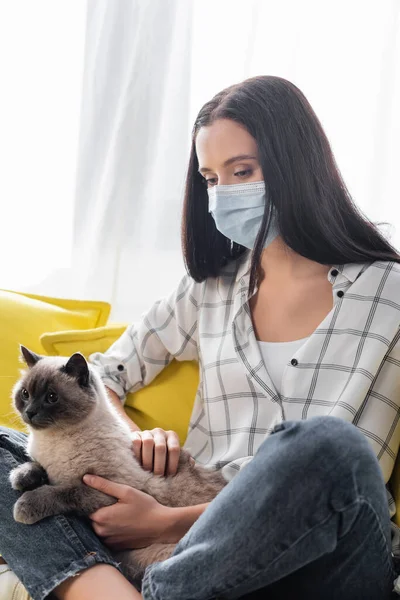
point(29, 357)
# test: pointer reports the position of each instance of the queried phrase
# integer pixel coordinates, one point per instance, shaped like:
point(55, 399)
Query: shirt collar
point(349, 270)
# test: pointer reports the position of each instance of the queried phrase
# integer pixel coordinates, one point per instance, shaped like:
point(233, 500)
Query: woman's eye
point(244, 173)
point(52, 397)
point(25, 394)
point(211, 182)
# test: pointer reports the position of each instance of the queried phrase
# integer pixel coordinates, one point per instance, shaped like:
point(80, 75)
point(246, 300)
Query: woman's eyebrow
point(240, 157)
point(230, 161)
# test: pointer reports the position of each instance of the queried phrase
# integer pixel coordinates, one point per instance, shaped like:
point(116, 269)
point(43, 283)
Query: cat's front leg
point(33, 506)
point(28, 476)
point(49, 500)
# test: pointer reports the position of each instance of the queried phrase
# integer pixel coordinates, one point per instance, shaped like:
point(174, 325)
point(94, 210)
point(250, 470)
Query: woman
point(298, 403)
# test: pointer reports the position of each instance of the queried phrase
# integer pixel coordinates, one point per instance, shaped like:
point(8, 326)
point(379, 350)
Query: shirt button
point(294, 362)
point(340, 294)
point(120, 367)
point(334, 272)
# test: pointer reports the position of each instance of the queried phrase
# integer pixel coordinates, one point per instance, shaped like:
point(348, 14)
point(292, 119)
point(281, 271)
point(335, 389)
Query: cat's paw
point(26, 509)
point(27, 476)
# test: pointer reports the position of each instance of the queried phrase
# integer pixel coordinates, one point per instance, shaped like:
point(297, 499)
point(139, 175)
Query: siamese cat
point(74, 429)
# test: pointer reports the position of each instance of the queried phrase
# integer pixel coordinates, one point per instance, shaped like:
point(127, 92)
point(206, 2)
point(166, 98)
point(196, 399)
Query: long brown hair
point(316, 214)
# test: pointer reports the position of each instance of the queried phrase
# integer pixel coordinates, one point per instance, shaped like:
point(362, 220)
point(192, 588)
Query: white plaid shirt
point(348, 368)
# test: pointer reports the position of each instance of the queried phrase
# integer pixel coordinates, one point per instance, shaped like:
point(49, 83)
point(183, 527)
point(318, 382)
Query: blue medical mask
point(238, 211)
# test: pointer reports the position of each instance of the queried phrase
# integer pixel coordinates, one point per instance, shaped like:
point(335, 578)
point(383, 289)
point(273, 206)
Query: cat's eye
point(25, 394)
point(51, 397)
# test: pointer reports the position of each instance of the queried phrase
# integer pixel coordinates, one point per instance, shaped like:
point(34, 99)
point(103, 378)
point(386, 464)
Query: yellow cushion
point(87, 341)
point(23, 319)
point(167, 402)
point(395, 488)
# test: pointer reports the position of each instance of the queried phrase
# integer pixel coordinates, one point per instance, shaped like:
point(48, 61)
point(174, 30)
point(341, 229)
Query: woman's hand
point(135, 521)
point(157, 450)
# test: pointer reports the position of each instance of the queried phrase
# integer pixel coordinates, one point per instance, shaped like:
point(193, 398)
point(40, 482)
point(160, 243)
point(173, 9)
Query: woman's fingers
point(147, 450)
point(137, 445)
point(174, 450)
point(160, 451)
point(157, 450)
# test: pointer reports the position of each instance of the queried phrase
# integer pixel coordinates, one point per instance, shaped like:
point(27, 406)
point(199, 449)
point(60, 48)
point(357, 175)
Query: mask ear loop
point(219, 281)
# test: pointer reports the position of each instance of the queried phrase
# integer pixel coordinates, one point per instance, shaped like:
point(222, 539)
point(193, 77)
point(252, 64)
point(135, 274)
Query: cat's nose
point(30, 414)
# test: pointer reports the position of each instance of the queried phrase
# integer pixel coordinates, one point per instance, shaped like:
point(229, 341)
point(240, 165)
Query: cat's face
point(54, 391)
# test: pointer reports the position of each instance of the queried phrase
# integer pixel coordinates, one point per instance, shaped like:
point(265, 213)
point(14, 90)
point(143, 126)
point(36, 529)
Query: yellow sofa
point(61, 327)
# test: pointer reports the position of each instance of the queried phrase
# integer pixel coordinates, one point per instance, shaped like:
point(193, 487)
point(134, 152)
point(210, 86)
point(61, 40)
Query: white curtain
point(149, 66)
point(133, 151)
point(41, 66)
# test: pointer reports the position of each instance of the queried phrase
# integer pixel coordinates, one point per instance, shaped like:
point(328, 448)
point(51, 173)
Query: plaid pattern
point(348, 368)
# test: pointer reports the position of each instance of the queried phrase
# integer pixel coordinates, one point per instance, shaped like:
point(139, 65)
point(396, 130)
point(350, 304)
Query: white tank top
point(276, 356)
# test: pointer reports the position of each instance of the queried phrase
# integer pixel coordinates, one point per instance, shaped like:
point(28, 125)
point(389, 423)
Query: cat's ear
point(29, 357)
point(77, 367)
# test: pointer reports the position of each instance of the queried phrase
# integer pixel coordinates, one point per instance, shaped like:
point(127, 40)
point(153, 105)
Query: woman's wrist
point(178, 521)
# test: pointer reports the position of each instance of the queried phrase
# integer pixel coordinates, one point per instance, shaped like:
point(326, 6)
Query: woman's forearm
point(120, 409)
point(180, 521)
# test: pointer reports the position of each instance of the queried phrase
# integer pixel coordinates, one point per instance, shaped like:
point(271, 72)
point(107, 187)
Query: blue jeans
point(307, 518)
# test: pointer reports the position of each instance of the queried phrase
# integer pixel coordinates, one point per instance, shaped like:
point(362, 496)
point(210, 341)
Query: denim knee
point(325, 432)
point(15, 442)
point(4, 431)
point(8, 432)
point(330, 445)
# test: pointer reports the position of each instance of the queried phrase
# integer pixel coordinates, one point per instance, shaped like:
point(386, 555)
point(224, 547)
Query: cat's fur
point(77, 430)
